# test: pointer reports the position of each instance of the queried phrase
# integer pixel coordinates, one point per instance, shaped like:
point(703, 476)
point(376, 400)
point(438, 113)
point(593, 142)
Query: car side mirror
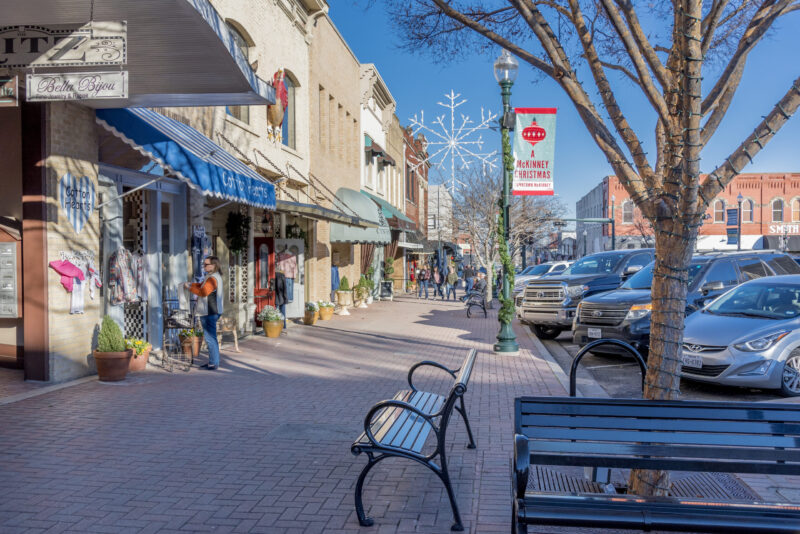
point(632, 269)
point(712, 286)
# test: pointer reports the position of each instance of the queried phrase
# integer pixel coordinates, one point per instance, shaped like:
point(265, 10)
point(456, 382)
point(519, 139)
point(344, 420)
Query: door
point(264, 248)
point(289, 258)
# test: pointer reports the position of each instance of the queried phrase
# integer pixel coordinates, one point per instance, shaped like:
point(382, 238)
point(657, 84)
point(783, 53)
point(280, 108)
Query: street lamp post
point(585, 250)
point(613, 225)
point(739, 199)
point(505, 72)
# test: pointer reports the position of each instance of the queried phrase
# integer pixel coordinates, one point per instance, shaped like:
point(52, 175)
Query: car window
point(559, 268)
point(597, 264)
point(639, 260)
point(751, 268)
point(644, 278)
point(762, 300)
point(783, 265)
point(722, 271)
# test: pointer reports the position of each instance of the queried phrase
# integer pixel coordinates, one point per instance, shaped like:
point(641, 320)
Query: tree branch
point(642, 42)
point(719, 112)
point(711, 21)
point(623, 70)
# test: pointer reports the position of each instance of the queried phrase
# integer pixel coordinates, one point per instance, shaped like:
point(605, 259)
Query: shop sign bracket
point(126, 193)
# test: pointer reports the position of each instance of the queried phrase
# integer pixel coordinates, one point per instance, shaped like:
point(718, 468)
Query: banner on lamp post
point(534, 151)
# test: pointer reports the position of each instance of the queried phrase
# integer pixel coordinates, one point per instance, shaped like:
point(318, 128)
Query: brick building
point(770, 215)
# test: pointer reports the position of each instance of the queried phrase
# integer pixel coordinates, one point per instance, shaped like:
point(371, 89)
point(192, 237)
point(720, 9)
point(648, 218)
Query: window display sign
point(77, 86)
point(534, 151)
point(9, 91)
point(8, 280)
point(79, 45)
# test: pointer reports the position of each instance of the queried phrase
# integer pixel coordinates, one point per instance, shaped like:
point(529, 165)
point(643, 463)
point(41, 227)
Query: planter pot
point(370, 300)
point(325, 313)
point(310, 317)
point(191, 346)
point(138, 362)
point(112, 366)
point(272, 328)
point(344, 298)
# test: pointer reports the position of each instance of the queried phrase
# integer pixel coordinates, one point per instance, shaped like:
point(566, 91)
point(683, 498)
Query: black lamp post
point(505, 72)
point(739, 199)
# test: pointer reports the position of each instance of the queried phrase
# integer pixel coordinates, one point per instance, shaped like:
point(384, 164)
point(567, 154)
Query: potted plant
point(111, 356)
point(369, 284)
point(191, 339)
point(272, 321)
point(325, 309)
point(344, 296)
point(312, 313)
point(141, 353)
point(360, 292)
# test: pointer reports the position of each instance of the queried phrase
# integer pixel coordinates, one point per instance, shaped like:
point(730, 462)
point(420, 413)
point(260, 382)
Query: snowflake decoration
point(458, 144)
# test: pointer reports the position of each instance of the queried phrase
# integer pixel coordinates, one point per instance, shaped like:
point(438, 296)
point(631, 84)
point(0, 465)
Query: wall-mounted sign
point(8, 280)
point(9, 91)
point(788, 229)
point(77, 199)
point(77, 86)
point(534, 151)
point(93, 43)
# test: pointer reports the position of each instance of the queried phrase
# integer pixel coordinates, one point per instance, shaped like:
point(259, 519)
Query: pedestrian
point(209, 306)
point(422, 280)
point(438, 280)
point(469, 277)
point(452, 280)
point(480, 283)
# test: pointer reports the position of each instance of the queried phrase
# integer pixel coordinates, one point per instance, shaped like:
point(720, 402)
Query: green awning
point(312, 211)
point(367, 211)
point(394, 216)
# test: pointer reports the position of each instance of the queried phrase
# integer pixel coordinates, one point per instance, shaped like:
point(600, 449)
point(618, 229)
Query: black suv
point(625, 312)
point(549, 304)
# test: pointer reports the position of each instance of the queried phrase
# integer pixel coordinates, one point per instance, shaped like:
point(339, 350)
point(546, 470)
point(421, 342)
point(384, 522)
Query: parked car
point(748, 337)
point(534, 272)
point(625, 313)
point(549, 304)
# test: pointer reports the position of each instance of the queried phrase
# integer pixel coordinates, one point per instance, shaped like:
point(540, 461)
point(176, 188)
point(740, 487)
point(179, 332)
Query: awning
point(319, 213)
point(720, 242)
point(190, 155)
point(180, 51)
point(394, 217)
point(789, 243)
point(409, 240)
point(366, 210)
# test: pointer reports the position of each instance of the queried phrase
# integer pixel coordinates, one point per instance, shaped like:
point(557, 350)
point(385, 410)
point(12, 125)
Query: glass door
point(265, 271)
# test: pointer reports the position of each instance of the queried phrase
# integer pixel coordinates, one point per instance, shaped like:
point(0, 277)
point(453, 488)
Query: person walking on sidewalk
point(209, 306)
point(438, 280)
point(469, 277)
point(422, 281)
point(452, 280)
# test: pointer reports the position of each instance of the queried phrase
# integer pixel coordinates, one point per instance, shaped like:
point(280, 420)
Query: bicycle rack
point(635, 353)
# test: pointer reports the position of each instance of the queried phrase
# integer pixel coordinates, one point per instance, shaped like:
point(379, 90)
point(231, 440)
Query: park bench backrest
point(673, 435)
point(457, 391)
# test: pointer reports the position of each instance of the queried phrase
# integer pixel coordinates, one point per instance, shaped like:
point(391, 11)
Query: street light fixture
point(505, 72)
point(739, 199)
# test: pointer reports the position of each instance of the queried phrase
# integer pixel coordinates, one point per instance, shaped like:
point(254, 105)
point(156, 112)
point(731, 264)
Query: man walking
point(452, 280)
point(469, 277)
point(438, 280)
point(422, 280)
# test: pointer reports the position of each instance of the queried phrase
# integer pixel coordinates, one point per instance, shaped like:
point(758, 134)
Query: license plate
point(594, 333)
point(692, 360)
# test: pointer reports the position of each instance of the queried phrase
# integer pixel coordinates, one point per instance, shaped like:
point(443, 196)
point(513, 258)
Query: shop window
point(777, 210)
point(719, 211)
point(241, 113)
point(627, 212)
point(289, 119)
point(796, 210)
point(747, 211)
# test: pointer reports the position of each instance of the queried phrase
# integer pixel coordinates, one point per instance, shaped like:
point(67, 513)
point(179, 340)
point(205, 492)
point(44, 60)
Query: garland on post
point(507, 312)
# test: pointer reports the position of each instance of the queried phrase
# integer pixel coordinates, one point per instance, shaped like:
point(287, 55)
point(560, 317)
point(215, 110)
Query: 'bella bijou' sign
point(77, 86)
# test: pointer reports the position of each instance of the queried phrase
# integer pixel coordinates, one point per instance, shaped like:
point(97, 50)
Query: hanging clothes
point(335, 281)
point(68, 271)
point(76, 302)
point(201, 249)
point(93, 278)
point(127, 277)
point(280, 289)
point(287, 262)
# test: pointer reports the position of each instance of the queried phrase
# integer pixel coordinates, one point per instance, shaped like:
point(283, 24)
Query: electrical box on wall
point(9, 280)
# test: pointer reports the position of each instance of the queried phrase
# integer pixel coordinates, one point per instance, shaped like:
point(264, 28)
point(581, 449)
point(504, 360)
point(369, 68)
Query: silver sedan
point(748, 337)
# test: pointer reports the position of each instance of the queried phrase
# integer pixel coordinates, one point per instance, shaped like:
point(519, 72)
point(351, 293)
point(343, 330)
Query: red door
point(265, 272)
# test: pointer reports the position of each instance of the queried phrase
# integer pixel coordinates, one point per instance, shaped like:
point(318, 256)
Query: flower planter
point(325, 313)
point(272, 328)
point(191, 346)
point(112, 366)
point(370, 299)
point(310, 317)
point(344, 298)
point(138, 362)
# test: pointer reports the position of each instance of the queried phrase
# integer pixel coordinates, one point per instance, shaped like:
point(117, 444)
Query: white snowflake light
point(460, 144)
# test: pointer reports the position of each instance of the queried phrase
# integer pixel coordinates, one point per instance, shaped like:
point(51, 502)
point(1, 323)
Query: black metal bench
point(399, 428)
point(475, 298)
point(694, 436)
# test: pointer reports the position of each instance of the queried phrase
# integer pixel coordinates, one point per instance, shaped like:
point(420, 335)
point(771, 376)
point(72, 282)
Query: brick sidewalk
point(264, 444)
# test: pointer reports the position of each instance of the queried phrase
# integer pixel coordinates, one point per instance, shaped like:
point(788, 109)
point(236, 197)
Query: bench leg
point(236, 340)
point(363, 520)
point(463, 411)
point(458, 526)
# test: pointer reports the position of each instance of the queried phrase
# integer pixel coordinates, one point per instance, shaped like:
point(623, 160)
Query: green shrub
point(344, 284)
point(388, 267)
point(110, 337)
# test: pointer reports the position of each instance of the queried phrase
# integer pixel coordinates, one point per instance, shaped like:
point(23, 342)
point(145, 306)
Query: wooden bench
point(400, 427)
point(694, 436)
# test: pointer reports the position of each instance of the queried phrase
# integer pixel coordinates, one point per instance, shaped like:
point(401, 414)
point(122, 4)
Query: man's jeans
point(451, 288)
point(422, 284)
point(470, 283)
point(209, 323)
point(437, 290)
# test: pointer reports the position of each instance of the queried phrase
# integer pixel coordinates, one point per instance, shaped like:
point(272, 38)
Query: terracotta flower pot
point(325, 313)
point(310, 317)
point(272, 328)
point(112, 366)
point(138, 362)
point(191, 346)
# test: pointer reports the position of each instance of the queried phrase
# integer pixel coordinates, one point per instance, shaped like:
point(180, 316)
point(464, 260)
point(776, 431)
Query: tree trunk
point(673, 254)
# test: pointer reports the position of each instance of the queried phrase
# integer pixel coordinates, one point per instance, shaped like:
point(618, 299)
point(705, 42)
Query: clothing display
point(289, 289)
point(93, 278)
point(76, 302)
point(286, 262)
point(335, 280)
point(280, 289)
point(127, 276)
point(68, 271)
point(201, 249)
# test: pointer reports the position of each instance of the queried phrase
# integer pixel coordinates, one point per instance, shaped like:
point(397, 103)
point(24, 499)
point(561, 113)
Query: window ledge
point(241, 124)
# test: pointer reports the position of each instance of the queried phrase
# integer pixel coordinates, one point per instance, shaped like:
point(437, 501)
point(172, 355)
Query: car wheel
point(545, 332)
point(790, 379)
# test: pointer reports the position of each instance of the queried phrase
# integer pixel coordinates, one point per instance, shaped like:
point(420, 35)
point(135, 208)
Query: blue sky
point(418, 83)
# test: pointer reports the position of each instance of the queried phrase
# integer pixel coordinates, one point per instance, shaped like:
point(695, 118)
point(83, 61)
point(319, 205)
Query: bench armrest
point(451, 372)
point(397, 404)
point(522, 462)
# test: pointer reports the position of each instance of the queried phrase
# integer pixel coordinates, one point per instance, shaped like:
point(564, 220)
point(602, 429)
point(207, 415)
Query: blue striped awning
point(190, 155)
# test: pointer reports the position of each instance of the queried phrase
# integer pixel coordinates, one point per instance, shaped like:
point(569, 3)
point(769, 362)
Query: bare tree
point(617, 41)
point(475, 214)
point(644, 227)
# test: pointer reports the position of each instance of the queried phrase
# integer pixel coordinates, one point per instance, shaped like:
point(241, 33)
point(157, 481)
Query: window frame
point(628, 204)
point(289, 126)
point(244, 44)
point(718, 208)
point(748, 202)
point(782, 209)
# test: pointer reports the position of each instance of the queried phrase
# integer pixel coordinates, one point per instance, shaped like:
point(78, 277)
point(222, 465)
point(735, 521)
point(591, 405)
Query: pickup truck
point(549, 304)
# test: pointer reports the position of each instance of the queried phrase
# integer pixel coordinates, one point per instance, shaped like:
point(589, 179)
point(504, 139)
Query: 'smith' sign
point(534, 151)
point(77, 86)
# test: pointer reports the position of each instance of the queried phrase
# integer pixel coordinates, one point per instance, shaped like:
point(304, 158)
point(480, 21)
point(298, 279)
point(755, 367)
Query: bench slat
point(406, 431)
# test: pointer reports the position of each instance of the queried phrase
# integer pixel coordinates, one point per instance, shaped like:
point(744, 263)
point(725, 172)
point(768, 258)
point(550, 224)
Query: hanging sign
point(9, 91)
point(77, 86)
point(534, 151)
point(72, 45)
point(77, 199)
